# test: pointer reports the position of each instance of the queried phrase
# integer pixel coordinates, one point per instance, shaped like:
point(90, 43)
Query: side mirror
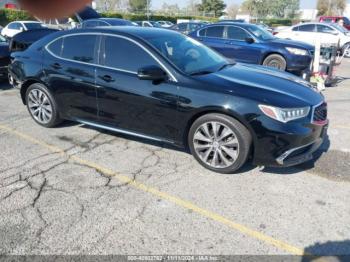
point(21, 29)
point(250, 40)
point(153, 73)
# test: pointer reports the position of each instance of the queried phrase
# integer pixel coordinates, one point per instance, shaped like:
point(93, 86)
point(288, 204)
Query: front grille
point(321, 113)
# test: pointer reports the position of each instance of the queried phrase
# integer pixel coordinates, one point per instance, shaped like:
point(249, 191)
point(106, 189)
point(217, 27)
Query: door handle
point(56, 66)
point(107, 78)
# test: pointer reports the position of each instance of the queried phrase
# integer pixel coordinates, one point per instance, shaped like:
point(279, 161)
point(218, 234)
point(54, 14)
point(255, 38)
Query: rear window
point(80, 48)
point(56, 47)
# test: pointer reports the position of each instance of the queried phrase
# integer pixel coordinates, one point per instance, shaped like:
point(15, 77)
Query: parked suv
point(161, 85)
point(336, 19)
point(248, 43)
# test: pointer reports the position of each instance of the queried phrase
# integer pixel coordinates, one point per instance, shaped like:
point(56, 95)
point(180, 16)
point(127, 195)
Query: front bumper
point(285, 145)
point(3, 72)
point(299, 63)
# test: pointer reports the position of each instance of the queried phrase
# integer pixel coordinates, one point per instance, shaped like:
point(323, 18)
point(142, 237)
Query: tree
point(170, 9)
point(274, 8)
point(232, 11)
point(212, 6)
point(331, 7)
point(138, 5)
point(192, 8)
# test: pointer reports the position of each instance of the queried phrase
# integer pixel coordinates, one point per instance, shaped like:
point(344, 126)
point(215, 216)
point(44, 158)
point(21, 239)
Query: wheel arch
point(223, 111)
point(25, 85)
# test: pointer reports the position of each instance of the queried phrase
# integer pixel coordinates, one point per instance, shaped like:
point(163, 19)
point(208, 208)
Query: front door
point(127, 103)
point(237, 47)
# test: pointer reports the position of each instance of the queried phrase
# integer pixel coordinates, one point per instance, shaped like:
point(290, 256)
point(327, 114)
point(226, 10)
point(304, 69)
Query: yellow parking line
point(165, 196)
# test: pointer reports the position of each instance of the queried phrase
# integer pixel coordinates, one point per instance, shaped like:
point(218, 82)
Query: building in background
point(347, 11)
point(308, 14)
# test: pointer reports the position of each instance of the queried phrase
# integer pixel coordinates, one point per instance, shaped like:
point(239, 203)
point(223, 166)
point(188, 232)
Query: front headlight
point(297, 51)
point(284, 115)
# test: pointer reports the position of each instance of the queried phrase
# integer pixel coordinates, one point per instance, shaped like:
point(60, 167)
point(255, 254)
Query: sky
point(181, 3)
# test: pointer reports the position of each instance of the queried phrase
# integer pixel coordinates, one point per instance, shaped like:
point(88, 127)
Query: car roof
point(26, 22)
point(132, 31)
point(106, 19)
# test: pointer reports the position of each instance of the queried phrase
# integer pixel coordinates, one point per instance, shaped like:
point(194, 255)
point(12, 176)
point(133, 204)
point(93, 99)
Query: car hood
point(291, 43)
point(268, 85)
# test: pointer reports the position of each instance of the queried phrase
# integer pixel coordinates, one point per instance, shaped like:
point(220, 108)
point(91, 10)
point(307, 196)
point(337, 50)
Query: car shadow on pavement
point(4, 85)
point(302, 167)
point(137, 139)
point(332, 250)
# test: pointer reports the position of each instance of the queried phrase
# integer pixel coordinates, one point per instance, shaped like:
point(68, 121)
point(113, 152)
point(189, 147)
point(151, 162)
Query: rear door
point(70, 67)
point(213, 36)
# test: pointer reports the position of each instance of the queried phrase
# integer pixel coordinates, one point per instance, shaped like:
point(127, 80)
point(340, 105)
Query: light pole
point(148, 10)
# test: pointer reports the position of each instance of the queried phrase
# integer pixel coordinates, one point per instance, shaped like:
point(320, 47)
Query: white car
point(313, 32)
point(165, 24)
point(16, 27)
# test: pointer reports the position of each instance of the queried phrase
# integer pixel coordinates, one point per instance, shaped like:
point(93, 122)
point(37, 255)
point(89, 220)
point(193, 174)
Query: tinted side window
point(324, 29)
point(202, 32)
point(80, 48)
point(215, 31)
point(236, 33)
point(126, 55)
point(56, 47)
point(307, 28)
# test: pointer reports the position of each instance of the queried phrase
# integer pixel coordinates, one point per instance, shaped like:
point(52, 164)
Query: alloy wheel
point(40, 106)
point(216, 144)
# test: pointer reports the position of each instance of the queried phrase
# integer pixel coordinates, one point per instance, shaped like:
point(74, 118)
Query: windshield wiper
point(226, 65)
point(204, 72)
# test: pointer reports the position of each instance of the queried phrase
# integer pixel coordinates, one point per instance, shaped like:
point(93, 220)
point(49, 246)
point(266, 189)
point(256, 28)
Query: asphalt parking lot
point(78, 190)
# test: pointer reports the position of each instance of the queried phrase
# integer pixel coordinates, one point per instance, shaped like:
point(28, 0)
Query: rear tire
point(276, 61)
point(223, 151)
point(42, 106)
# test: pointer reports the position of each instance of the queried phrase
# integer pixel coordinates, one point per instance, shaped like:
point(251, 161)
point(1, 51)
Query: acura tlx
point(161, 85)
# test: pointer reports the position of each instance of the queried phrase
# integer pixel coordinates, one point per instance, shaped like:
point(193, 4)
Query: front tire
point(346, 50)
point(42, 106)
point(219, 143)
point(276, 61)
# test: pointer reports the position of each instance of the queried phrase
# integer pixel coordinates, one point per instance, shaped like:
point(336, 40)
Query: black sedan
point(4, 57)
point(161, 85)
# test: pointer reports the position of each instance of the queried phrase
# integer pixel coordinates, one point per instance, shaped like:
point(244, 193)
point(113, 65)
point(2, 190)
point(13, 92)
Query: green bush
point(141, 17)
point(8, 15)
point(280, 22)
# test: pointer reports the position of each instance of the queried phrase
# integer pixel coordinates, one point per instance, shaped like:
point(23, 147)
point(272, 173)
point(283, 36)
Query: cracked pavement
point(51, 204)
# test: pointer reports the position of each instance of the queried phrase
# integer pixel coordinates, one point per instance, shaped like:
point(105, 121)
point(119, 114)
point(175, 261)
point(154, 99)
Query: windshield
point(188, 55)
point(259, 32)
point(31, 26)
